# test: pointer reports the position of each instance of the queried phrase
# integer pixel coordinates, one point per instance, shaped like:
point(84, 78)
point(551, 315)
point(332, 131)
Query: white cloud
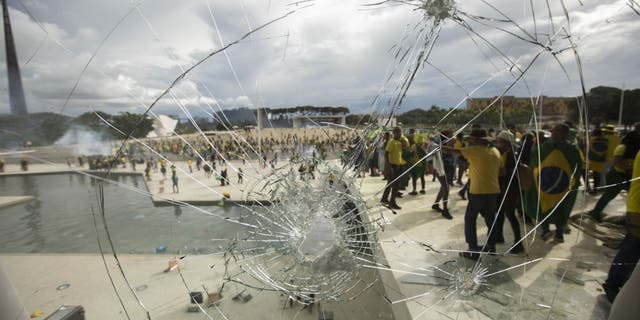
point(237, 102)
point(337, 53)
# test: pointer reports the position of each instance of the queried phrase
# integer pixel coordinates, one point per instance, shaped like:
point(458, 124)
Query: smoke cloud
point(85, 141)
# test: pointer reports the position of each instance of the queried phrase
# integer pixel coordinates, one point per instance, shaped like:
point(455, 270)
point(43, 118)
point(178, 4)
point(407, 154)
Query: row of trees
point(127, 122)
point(603, 107)
point(45, 128)
point(453, 118)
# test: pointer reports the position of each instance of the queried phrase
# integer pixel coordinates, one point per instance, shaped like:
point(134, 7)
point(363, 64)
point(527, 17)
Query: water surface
point(60, 219)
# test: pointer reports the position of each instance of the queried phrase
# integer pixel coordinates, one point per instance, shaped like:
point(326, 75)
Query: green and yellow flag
point(556, 176)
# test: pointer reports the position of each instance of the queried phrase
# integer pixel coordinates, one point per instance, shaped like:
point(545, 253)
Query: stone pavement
point(561, 281)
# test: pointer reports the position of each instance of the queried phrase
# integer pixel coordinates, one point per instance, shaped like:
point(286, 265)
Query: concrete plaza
point(560, 281)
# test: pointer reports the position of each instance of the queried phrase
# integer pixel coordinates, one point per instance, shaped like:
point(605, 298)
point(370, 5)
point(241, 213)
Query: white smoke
point(85, 141)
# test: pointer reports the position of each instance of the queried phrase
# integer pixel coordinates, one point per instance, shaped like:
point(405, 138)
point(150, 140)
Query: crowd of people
point(212, 153)
point(531, 172)
point(513, 174)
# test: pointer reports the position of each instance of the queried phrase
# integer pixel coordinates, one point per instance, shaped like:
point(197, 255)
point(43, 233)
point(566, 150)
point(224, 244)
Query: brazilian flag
point(598, 153)
point(556, 177)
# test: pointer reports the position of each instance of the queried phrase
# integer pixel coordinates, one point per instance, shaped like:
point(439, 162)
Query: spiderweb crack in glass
point(439, 9)
point(325, 231)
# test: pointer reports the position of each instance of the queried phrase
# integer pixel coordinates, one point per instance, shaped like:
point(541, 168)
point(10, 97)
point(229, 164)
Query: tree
point(38, 128)
point(130, 123)
point(94, 120)
point(604, 105)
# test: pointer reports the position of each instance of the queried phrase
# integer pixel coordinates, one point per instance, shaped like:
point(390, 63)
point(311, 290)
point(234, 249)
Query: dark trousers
point(462, 167)
point(393, 184)
point(559, 229)
point(414, 181)
point(449, 172)
point(443, 193)
point(485, 204)
point(616, 181)
point(465, 188)
point(622, 265)
point(596, 179)
point(510, 213)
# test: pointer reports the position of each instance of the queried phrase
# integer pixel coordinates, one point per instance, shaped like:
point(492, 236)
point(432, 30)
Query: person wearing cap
point(557, 168)
point(619, 175)
point(629, 254)
point(484, 169)
point(509, 190)
point(394, 164)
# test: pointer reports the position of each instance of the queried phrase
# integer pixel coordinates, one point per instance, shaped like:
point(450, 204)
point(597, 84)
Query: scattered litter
point(241, 297)
point(36, 314)
point(213, 298)
point(238, 296)
point(63, 286)
point(173, 263)
point(585, 265)
point(160, 249)
point(141, 287)
point(195, 297)
point(193, 309)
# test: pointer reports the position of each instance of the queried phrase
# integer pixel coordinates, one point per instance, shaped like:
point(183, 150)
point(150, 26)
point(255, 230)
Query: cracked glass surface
point(296, 238)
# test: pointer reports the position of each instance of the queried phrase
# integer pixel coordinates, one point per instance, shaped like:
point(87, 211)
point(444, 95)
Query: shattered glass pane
point(270, 211)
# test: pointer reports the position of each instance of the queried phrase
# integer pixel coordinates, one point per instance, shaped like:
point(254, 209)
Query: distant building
point(551, 106)
point(316, 121)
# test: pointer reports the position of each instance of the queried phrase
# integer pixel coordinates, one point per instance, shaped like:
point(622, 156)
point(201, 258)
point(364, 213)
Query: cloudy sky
point(327, 52)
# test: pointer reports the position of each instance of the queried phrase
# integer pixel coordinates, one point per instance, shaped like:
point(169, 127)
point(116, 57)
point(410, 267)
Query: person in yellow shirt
point(629, 253)
point(484, 169)
point(394, 164)
point(619, 175)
